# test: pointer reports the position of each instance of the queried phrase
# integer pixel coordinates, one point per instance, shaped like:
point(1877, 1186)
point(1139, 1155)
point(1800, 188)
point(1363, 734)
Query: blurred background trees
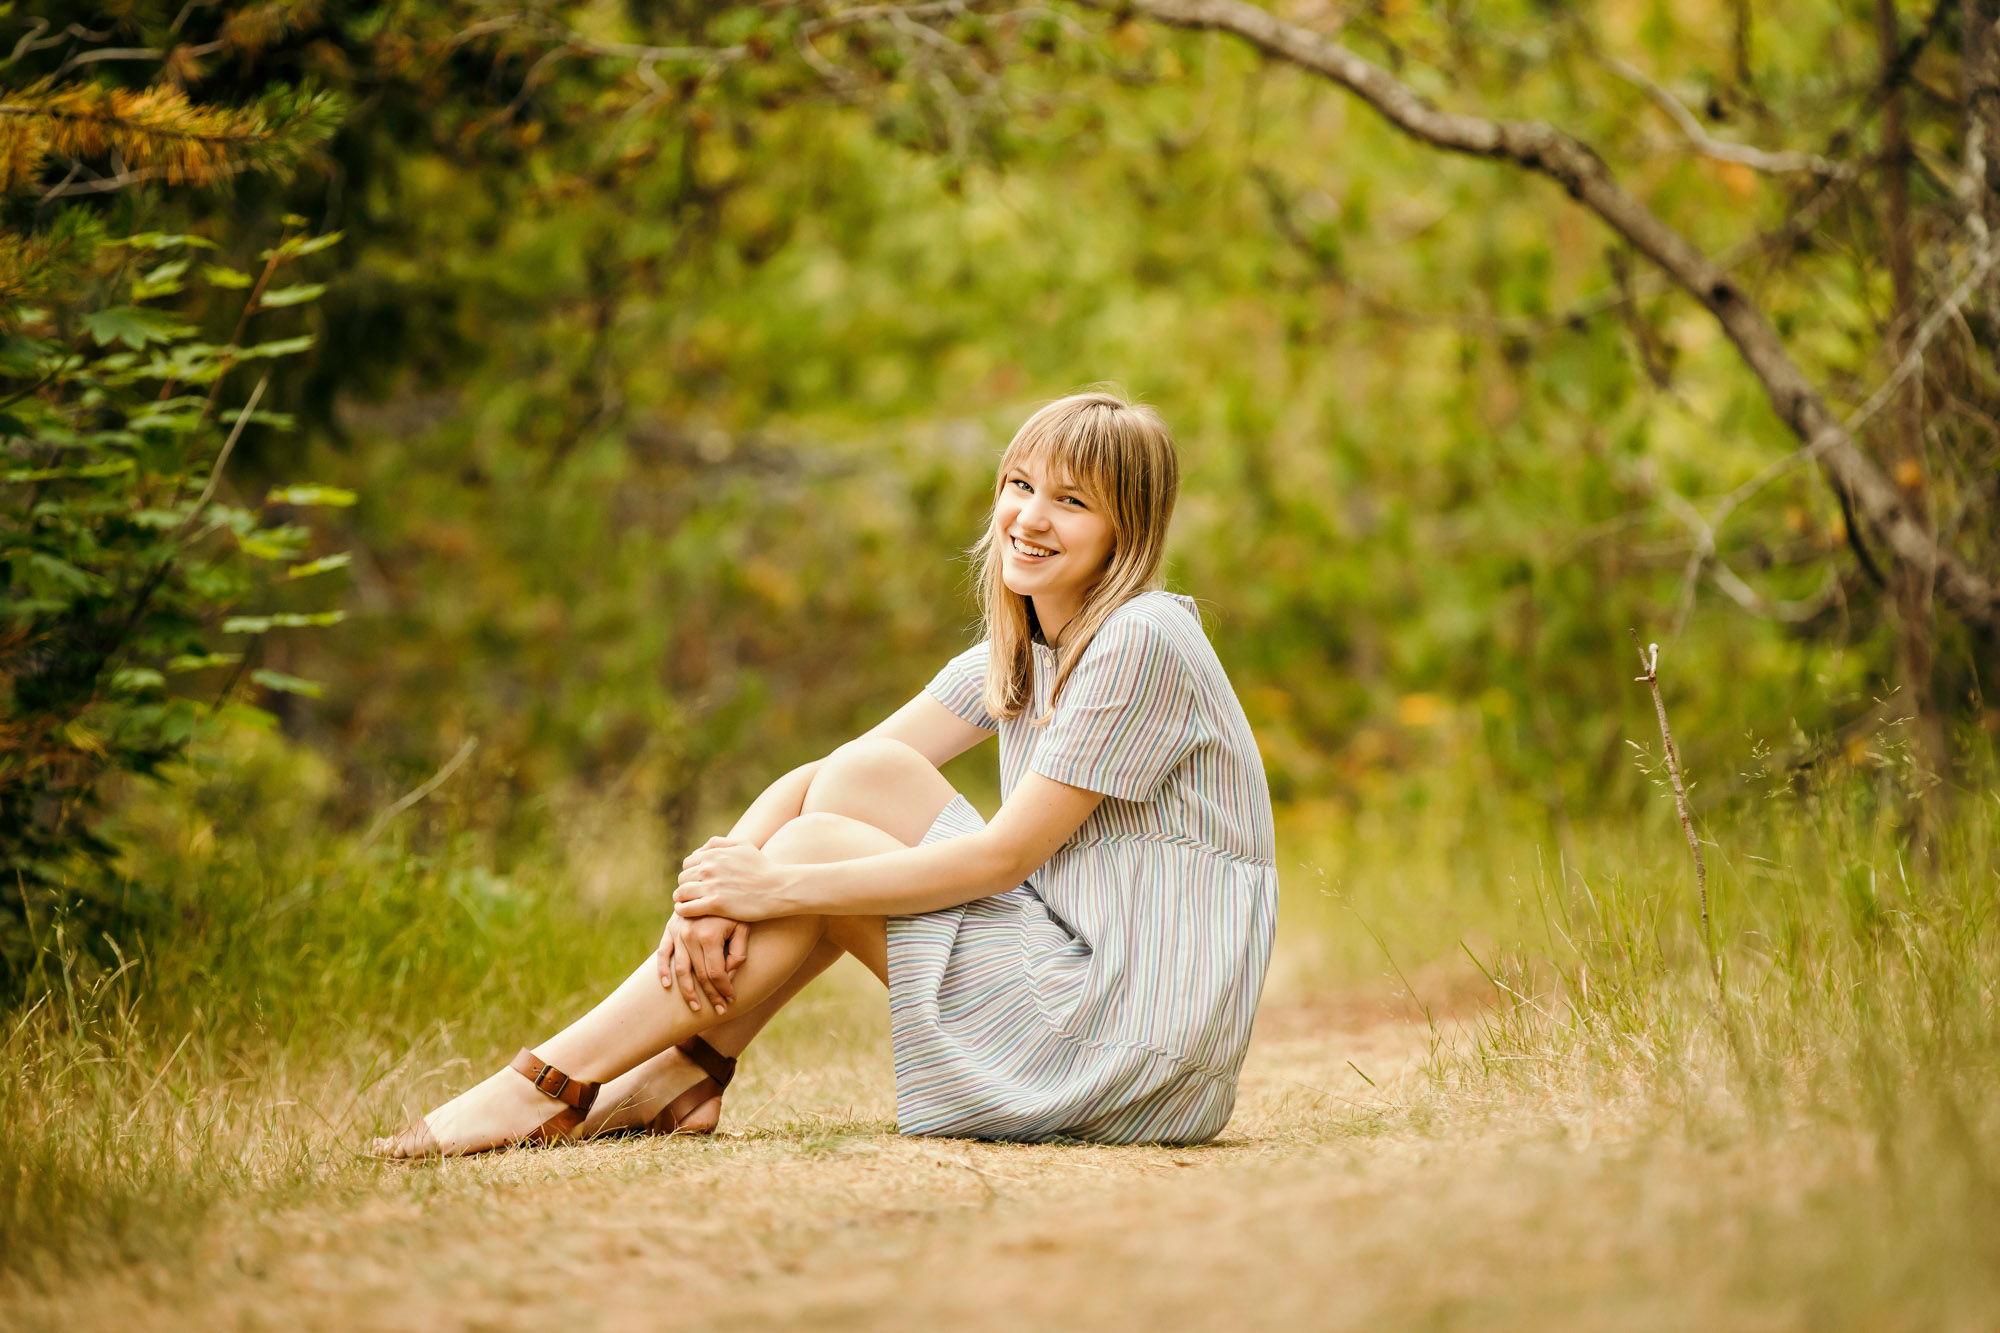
point(668, 348)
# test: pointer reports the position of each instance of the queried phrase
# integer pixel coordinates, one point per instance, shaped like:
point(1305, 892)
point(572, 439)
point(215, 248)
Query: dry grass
point(1586, 1139)
point(1328, 1204)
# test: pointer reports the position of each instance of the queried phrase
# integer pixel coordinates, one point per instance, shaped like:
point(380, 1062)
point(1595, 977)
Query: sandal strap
point(552, 1082)
point(680, 1108)
point(719, 1067)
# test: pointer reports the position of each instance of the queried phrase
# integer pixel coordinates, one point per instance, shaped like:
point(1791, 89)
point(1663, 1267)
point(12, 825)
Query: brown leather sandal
point(575, 1095)
point(718, 1067)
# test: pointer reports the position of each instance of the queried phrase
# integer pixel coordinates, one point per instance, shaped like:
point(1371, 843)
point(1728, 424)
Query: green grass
point(286, 992)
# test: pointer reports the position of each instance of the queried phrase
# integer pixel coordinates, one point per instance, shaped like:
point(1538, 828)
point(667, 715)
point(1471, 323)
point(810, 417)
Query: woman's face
point(1055, 539)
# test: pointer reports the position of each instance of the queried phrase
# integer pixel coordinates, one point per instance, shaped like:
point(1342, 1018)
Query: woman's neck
point(1052, 616)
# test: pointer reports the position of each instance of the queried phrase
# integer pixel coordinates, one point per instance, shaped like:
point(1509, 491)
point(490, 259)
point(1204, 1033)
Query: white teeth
point(1029, 548)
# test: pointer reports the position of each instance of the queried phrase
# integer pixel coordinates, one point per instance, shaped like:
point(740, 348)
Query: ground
point(1344, 1194)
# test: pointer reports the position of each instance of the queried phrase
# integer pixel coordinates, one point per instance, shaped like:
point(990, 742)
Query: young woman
point(1084, 967)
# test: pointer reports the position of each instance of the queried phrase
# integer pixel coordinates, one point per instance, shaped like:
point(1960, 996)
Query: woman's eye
point(1016, 481)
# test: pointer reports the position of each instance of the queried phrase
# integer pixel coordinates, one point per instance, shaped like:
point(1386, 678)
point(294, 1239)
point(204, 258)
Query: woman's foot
point(635, 1100)
point(505, 1109)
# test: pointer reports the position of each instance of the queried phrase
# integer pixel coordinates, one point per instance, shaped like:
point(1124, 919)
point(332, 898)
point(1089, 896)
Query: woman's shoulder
point(1157, 615)
point(1154, 632)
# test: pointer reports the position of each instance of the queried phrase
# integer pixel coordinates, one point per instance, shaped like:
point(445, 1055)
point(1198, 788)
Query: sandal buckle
point(542, 1085)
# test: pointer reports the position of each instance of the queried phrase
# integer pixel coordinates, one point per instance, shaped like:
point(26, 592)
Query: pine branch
point(157, 131)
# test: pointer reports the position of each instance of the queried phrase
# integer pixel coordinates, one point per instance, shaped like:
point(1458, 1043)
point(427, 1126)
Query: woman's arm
point(720, 945)
point(931, 729)
point(738, 881)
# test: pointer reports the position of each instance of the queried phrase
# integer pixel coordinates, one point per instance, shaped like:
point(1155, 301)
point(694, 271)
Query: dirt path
point(1327, 1204)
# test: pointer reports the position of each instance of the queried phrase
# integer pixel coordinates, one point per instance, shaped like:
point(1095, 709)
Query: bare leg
point(880, 782)
point(639, 1095)
point(640, 1019)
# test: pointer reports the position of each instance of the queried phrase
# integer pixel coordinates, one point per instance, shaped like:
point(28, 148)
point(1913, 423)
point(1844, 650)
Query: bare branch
point(1757, 159)
point(105, 53)
point(1913, 361)
point(1541, 148)
point(222, 458)
point(70, 187)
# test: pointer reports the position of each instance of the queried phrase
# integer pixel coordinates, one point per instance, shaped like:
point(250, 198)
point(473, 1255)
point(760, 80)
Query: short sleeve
point(1127, 715)
point(961, 686)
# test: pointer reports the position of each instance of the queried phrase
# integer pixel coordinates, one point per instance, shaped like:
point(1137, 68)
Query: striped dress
point(1109, 997)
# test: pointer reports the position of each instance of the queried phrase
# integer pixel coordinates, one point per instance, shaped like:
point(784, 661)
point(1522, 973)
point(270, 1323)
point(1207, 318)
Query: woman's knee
point(875, 761)
point(881, 782)
point(820, 836)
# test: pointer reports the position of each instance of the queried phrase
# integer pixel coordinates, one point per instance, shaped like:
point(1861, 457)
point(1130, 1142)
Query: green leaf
point(162, 240)
point(221, 276)
point(247, 715)
point(178, 414)
point(283, 620)
point(162, 281)
point(63, 572)
point(21, 356)
point(108, 469)
point(315, 244)
point(133, 326)
point(202, 661)
point(319, 566)
point(297, 247)
point(280, 347)
point(131, 680)
point(278, 297)
point(309, 495)
point(284, 684)
point(283, 543)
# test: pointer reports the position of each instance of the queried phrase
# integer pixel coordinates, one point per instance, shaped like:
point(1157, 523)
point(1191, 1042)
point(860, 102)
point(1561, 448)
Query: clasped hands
point(725, 884)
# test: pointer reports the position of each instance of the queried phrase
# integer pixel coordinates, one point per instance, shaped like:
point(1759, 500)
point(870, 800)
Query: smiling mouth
point(1030, 551)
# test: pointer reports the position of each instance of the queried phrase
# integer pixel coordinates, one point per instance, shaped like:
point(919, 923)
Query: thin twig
point(1757, 159)
point(222, 458)
point(1649, 658)
point(437, 780)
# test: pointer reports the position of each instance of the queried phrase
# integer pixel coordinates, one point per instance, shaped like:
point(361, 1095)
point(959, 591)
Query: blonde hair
point(1121, 455)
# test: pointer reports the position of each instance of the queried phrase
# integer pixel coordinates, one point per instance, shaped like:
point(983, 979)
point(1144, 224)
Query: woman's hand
point(732, 878)
point(696, 956)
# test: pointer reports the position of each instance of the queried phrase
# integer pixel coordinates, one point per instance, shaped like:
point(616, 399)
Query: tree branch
point(106, 184)
point(1707, 145)
point(1561, 157)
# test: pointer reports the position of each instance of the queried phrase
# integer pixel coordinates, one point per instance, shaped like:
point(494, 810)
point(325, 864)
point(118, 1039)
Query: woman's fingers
point(702, 953)
point(739, 946)
point(716, 970)
point(713, 844)
point(663, 962)
point(684, 976)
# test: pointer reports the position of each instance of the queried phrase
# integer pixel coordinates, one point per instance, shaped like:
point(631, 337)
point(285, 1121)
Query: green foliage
point(667, 352)
point(123, 555)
